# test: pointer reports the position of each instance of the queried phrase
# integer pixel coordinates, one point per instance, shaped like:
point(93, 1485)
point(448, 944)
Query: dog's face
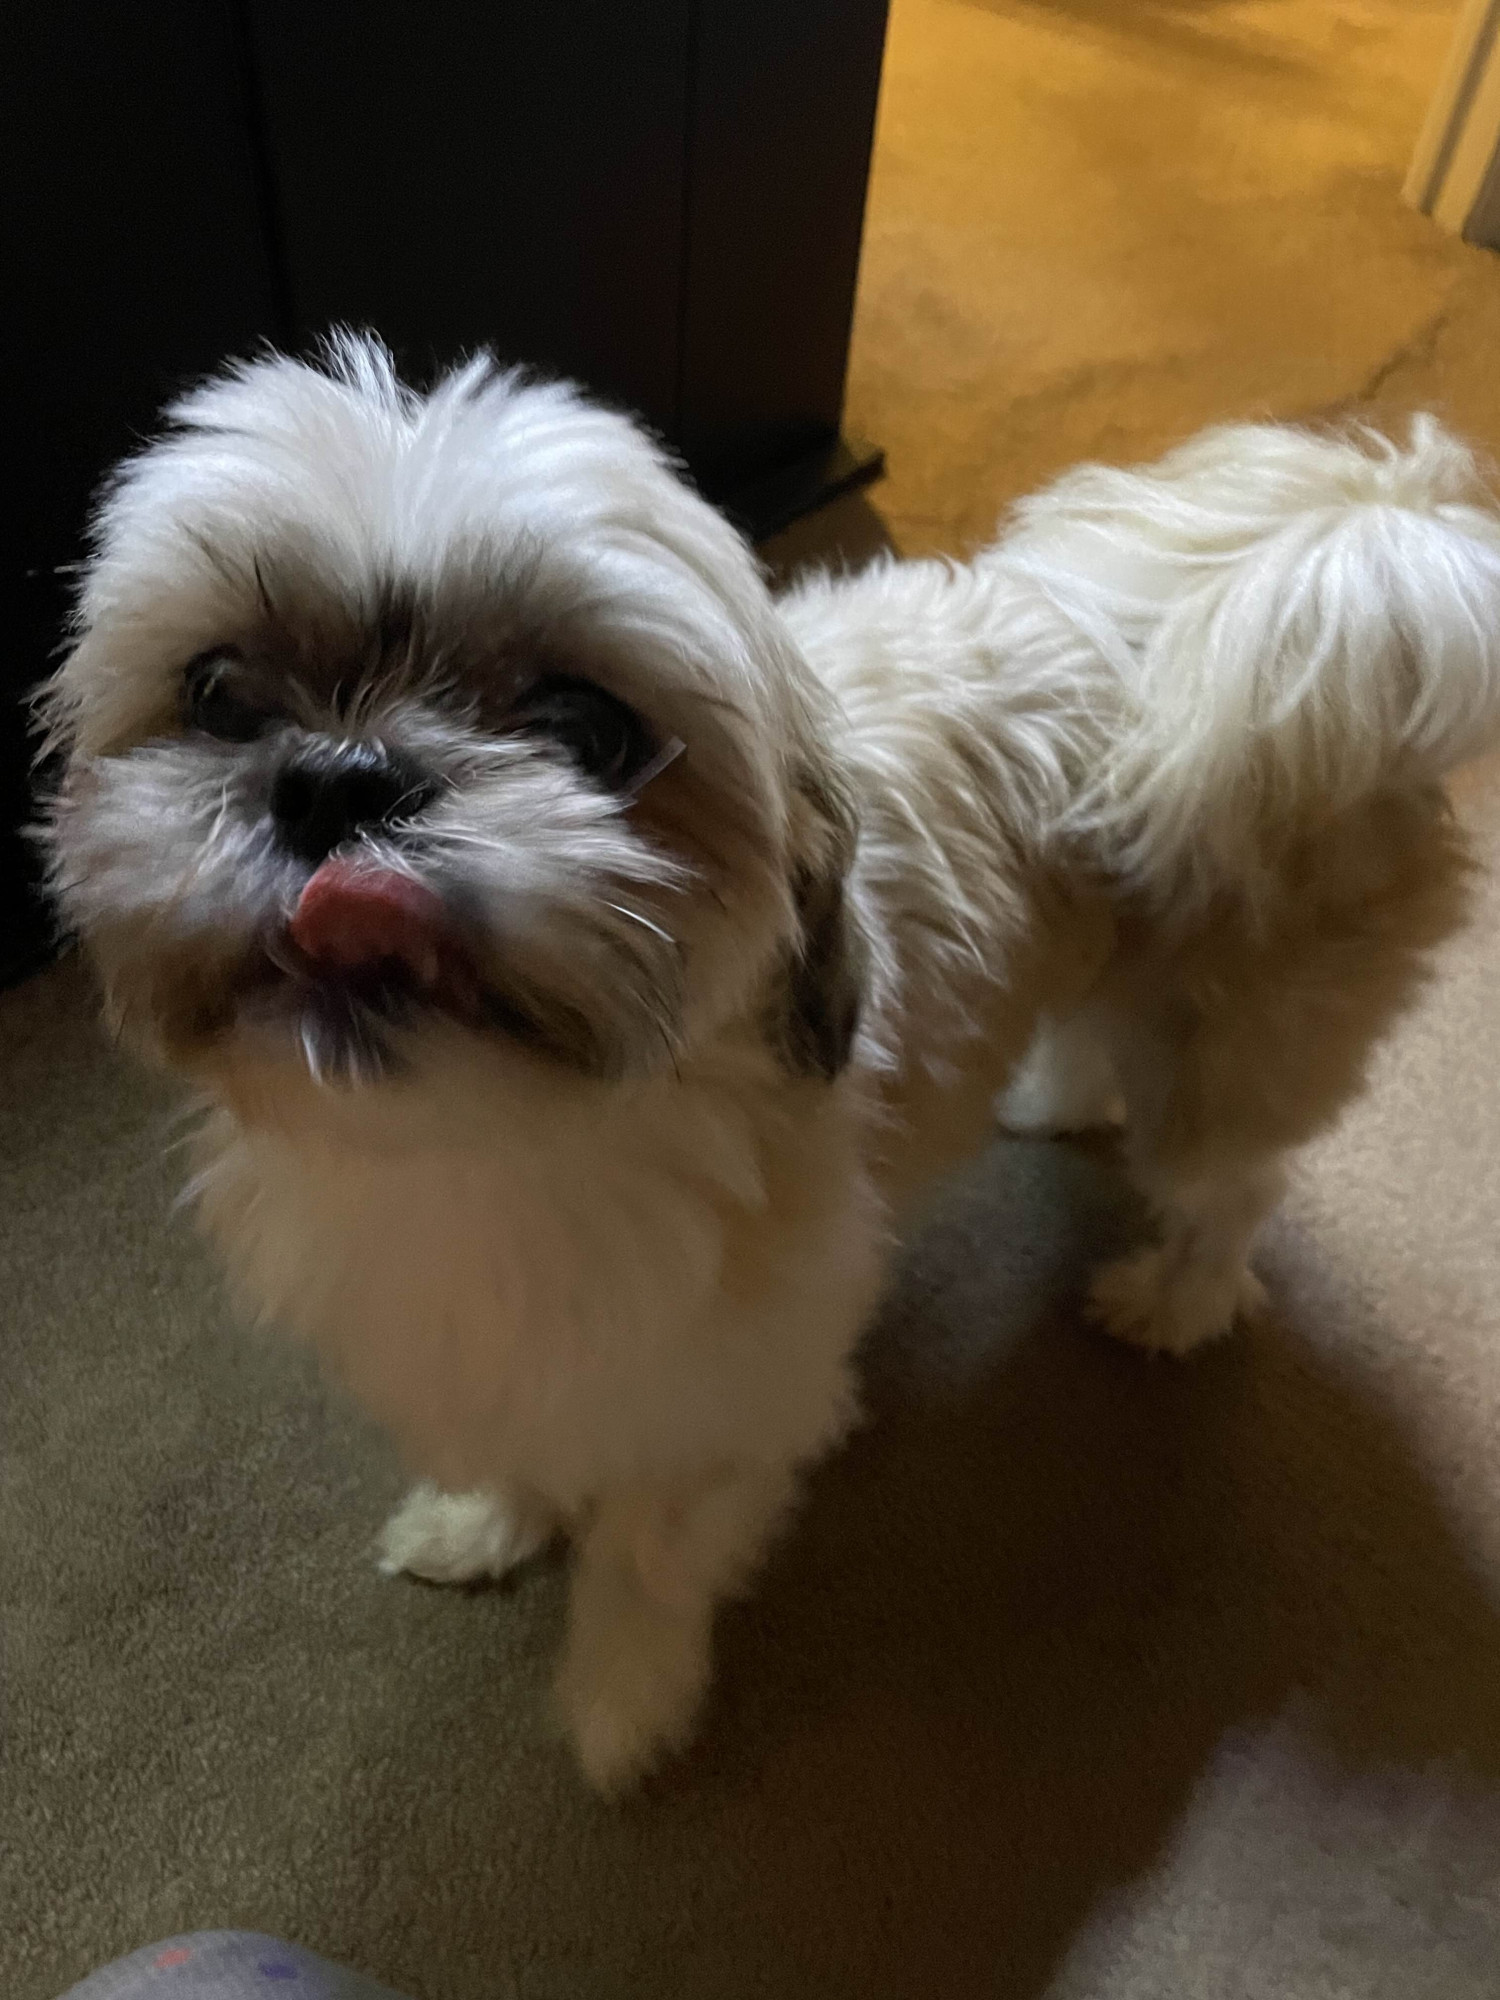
point(395, 718)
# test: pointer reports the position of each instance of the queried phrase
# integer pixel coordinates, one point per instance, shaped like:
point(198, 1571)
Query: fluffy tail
point(1295, 622)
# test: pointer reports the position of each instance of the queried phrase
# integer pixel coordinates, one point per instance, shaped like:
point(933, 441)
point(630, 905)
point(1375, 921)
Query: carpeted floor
point(1082, 1677)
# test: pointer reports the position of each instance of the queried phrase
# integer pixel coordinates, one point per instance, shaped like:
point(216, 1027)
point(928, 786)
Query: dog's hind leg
point(1198, 1146)
point(1065, 1082)
point(1196, 1281)
point(1240, 1036)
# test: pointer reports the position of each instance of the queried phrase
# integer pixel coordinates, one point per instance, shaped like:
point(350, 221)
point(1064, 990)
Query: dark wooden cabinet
point(662, 199)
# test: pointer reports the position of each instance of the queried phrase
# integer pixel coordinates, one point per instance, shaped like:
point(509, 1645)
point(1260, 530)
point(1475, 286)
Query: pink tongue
point(353, 916)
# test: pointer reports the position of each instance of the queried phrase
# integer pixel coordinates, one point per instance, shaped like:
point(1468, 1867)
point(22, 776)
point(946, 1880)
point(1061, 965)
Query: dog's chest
point(500, 1318)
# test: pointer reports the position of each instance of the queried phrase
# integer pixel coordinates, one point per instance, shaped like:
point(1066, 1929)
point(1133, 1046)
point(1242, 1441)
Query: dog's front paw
point(458, 1537)
point(1156, 1301)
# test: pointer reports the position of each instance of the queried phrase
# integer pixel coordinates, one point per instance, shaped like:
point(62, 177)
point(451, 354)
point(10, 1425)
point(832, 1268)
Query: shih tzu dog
point(584, 955)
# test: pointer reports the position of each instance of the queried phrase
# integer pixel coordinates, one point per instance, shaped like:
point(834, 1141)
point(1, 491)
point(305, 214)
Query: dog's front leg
point(652, 1565)
point(462, 1537)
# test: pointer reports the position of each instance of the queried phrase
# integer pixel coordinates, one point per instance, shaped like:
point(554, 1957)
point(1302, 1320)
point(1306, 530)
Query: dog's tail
point(1296, 621)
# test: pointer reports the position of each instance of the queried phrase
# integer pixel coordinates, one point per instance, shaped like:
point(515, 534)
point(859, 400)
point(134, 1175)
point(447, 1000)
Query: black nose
point(326, 793)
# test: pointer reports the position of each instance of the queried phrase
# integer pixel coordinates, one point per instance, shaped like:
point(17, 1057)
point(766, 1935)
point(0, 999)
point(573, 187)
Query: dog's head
point(391, 718)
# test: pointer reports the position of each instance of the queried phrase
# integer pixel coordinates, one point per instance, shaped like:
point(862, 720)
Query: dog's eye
point(220, 700)
point(603, 736)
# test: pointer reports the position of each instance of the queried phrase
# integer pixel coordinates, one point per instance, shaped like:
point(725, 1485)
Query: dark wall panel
point(784, 98)
point(133, 259)
point(486, 174)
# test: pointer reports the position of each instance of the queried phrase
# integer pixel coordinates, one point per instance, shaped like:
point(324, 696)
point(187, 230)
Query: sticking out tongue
point(352, 917)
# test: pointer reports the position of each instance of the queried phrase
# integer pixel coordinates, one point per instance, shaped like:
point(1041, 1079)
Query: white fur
point(1064, 1083)
point(1158, 769)
point(460, 1537)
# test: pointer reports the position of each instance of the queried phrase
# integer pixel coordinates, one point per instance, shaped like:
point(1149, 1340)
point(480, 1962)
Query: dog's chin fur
point(590, 1212)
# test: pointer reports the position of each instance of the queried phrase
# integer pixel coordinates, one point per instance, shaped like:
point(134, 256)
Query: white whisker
point(668, 754)
point(310, 1056)
point(636, 918)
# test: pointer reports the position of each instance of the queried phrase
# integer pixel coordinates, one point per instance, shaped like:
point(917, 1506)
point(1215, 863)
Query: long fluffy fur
point(1151, 788)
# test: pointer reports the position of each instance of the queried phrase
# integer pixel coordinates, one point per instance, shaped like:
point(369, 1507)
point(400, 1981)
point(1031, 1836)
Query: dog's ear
point(822, 987)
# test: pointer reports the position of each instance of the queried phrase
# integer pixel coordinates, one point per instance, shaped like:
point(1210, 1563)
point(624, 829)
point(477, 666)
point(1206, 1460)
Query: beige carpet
point(1081, 1677)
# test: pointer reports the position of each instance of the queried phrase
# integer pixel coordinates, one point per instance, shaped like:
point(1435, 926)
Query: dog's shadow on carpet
point(976, 1692)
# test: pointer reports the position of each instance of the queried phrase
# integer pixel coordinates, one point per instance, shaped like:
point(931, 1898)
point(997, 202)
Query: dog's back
point(1218, 696)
